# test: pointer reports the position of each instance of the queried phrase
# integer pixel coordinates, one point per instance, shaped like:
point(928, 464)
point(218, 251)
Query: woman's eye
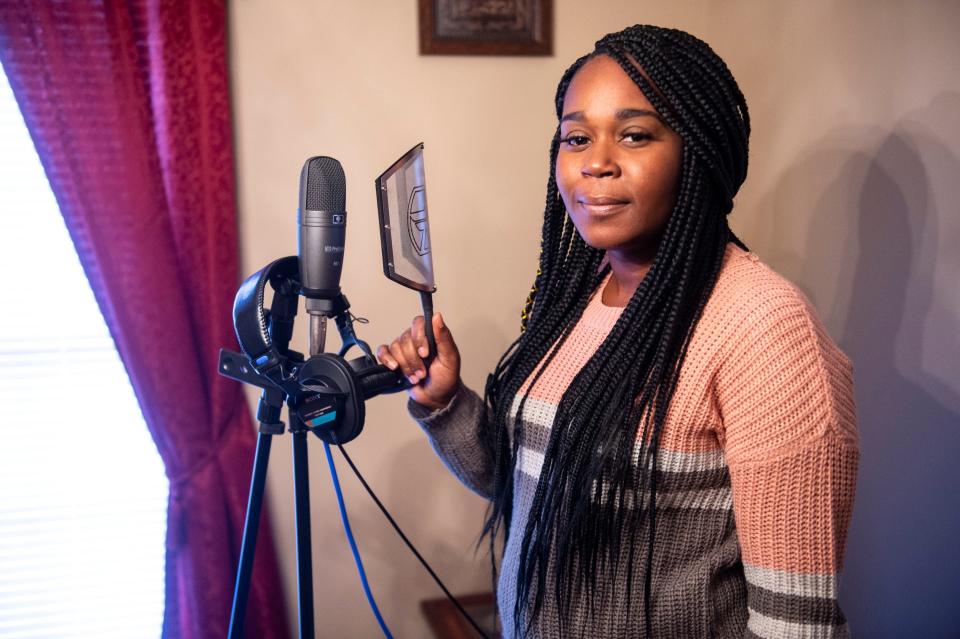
point(575, 140)
point(637, 136)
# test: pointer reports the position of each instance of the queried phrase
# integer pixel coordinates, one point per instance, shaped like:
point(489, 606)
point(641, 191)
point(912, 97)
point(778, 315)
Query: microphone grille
point(322, 185)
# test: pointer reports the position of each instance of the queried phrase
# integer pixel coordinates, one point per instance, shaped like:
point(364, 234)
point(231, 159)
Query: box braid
point(597, 486)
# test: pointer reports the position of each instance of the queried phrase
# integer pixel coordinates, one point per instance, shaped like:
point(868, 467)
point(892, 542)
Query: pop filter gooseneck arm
point(426, 301)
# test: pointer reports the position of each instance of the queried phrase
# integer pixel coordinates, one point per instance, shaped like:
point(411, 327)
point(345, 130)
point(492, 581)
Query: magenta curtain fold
point(128, 106)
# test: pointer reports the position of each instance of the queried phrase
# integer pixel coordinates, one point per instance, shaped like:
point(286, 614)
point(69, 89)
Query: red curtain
point(128, 106)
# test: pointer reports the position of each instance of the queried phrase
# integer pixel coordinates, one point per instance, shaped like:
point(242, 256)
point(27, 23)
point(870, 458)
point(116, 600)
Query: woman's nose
point(600, 161)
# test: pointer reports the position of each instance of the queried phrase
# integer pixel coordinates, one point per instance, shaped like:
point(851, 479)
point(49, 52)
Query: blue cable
point(353, 543)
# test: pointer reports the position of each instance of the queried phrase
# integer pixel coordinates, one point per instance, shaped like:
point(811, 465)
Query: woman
point(670, 446)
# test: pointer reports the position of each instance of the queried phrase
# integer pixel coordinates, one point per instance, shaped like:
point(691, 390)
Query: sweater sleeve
point(785, 395)
point(454, 434)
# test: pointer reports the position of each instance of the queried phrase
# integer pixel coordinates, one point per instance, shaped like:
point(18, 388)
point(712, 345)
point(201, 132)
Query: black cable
point(423, 561)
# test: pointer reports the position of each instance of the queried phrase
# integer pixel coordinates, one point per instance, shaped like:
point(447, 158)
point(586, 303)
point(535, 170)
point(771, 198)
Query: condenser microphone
point(322, 221)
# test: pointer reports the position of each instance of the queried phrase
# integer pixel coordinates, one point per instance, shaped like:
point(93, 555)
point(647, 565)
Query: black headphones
point(328, 392)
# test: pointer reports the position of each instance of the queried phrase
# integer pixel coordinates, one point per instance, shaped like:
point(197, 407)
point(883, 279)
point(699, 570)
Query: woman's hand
point(406, 353)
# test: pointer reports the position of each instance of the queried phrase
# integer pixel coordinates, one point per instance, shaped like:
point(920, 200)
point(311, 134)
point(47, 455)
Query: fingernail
point(413, 379)
point(440, 320)
point(424, 351)
point(392, 366)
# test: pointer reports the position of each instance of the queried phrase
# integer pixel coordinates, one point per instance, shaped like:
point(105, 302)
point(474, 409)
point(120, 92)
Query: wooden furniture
point(447, 622)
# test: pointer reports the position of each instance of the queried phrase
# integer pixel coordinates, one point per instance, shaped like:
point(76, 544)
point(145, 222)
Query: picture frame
point(486, 27)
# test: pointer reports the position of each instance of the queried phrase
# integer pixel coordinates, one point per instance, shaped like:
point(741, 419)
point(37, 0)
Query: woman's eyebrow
point(622, 114)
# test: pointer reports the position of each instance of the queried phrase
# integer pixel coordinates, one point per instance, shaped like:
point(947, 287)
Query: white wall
point(852, 193)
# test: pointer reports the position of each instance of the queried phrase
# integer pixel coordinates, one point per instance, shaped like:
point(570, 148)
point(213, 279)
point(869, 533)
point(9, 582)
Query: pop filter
point(405, 232)
point(404, 224)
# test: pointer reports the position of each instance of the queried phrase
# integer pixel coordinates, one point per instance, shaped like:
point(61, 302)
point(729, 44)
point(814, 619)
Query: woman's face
point(618, 166)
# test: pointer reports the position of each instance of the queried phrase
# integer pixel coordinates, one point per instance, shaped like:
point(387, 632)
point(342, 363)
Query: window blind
point(83, 494)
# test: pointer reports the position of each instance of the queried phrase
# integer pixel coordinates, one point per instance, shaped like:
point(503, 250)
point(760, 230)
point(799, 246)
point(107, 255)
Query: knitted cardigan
point(756, 471)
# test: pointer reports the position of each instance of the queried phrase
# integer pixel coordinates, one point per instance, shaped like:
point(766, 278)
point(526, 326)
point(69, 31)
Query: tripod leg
point(301, 489)
point(250, 529)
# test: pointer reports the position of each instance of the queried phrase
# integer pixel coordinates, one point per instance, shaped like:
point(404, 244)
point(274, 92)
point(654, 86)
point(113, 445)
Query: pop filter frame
point(386, 230)
point(386, 242)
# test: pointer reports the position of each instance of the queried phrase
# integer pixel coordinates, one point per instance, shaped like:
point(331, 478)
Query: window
point(83, 494)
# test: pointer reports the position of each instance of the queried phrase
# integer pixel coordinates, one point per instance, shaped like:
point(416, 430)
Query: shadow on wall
point(889, 193)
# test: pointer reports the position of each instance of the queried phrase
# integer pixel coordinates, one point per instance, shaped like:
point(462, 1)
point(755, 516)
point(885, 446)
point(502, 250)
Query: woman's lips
point(601, 205)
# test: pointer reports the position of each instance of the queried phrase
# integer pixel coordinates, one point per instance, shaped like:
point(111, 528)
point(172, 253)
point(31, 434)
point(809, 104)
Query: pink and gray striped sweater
point(757, 469)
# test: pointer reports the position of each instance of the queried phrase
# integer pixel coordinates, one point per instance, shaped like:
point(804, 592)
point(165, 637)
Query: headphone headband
point(250, 318)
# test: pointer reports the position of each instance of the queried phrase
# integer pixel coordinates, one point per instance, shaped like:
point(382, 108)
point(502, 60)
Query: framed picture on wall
point(486, 27)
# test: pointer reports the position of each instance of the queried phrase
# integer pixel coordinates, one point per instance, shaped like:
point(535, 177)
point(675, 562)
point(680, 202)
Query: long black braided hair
point(586, 511)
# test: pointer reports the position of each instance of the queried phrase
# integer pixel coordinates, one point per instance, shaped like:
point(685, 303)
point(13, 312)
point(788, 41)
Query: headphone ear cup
point(333, 373)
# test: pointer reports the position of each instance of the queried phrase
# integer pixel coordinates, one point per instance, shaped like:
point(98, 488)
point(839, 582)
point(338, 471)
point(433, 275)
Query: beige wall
point(852, 193)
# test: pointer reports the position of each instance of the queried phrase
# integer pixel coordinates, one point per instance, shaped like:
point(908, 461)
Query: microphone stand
point(312, 407)
point(234, 365)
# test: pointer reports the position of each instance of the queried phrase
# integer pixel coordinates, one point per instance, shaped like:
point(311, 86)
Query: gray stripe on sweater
point(794, 607)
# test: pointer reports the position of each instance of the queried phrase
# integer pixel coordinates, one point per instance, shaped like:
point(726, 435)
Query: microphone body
point(322, 221)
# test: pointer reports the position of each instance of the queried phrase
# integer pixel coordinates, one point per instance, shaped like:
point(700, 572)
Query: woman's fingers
point(412, 357)
point(446, 347)
point(398, 357)
point(420, 336)
point(388, 360)
point(406, 354)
